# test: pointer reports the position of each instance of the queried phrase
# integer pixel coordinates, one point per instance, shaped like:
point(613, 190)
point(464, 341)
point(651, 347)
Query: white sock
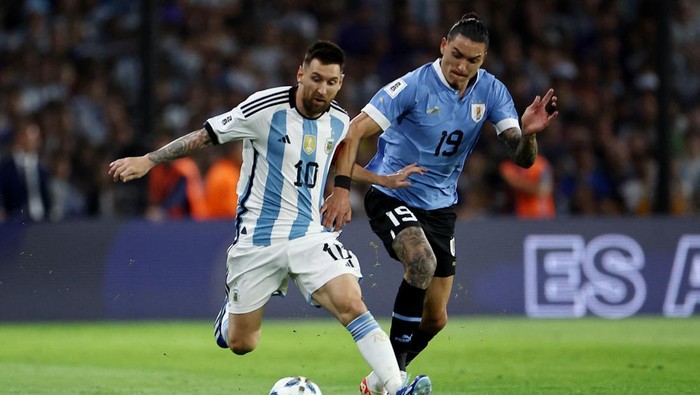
point(375, 385)
point(222, 330)
point(375, 347)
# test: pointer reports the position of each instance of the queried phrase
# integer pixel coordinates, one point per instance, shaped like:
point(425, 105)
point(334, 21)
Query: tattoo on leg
point(415, 253)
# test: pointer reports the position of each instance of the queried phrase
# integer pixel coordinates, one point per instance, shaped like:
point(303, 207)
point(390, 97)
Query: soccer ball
point(295, 385)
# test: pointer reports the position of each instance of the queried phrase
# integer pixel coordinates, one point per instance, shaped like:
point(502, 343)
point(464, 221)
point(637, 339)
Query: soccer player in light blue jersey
point(290, 135)
point(431, 116)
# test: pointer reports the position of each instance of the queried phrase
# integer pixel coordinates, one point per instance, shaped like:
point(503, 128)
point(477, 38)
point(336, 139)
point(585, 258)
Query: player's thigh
point(314, 260)
point(390, 217)
point(342, 297)
point(254, 274)
point(439, 228)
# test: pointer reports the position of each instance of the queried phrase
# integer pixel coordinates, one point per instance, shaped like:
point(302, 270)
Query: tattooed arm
point(181, 147)
point(521, 149)
point(127, 169)
point(522, 146)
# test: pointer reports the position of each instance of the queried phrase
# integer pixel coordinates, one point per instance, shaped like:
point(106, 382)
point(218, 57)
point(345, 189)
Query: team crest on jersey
point(309, 144)
point(329, 145)
point(478, 111)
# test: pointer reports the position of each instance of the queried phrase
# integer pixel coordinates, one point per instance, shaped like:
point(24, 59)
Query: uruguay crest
point(309, 144)
point(478, 111)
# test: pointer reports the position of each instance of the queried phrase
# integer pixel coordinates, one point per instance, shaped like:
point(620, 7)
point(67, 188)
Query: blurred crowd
point(70, 86)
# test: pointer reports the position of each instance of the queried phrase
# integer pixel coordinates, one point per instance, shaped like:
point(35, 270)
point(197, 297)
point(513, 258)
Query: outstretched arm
point(127, 169)
point(336, 210)
point(522, 145)
point(391, 181)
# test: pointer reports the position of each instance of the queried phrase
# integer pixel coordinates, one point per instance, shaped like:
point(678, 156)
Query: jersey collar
point(470, 85)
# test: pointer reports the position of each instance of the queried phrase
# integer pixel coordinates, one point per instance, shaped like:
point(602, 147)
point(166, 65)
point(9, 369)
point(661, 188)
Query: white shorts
point(255, 273)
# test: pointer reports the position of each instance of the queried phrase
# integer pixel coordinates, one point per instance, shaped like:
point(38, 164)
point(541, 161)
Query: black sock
point(419, 342)
point(408, 309)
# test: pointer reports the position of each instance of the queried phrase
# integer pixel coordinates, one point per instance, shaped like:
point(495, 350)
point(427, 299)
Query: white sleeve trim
point(377, 116)
point(506, 124)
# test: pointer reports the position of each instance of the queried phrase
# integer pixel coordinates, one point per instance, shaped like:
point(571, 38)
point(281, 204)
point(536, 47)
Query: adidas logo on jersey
point(285, 139)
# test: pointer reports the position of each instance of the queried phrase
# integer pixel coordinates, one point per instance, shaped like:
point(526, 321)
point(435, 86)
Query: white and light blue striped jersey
point(286, 160)
point(425, 121)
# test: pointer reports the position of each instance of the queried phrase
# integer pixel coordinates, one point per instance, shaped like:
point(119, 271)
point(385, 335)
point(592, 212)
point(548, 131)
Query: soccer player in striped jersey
point(290, 135)
point(433, 116)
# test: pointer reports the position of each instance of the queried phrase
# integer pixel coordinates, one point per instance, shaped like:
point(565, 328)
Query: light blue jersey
point(424, 121)
point(286, 159)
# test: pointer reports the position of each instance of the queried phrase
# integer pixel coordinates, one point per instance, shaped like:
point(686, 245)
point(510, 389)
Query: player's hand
point(127, 169)
point(336, 211)
point(536, 117)
point(400, 178)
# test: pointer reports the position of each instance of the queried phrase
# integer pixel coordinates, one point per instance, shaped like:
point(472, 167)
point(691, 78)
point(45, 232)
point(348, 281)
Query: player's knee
point(420, 275)
point(420, 269)
point(426, 263)
point(241, 349)
point(353, 307)
point(434, 323)
point(241, 346)
point(350, 308)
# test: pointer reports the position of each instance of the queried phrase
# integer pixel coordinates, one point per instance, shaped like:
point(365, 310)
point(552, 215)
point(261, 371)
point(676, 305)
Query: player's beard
point(314, 108)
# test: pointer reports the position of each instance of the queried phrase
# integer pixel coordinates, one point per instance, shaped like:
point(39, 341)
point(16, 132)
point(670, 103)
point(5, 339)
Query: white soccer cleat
point(370, 385)
point(366, 390)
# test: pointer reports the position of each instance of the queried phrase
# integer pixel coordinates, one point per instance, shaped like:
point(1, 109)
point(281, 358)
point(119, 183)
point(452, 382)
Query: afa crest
point(309, 144)
point(330, 143)
point(478, 110)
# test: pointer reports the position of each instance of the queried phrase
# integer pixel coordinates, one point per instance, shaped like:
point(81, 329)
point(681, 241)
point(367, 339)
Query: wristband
point(343, 182)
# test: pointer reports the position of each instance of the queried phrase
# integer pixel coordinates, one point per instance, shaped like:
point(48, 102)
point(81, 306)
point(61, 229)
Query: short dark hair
point(471, 27)
point(326, 52)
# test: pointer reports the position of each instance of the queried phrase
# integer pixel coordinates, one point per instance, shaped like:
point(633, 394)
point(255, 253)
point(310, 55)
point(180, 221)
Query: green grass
point(472, 356)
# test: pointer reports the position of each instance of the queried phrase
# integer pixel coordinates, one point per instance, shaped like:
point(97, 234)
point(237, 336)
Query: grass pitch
point(471, 356)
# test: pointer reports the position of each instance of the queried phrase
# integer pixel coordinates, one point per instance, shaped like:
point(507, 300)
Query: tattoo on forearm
point(415, 253)
point(181, 147)
point(523, 150)
point(528, 151)
point(511, 138)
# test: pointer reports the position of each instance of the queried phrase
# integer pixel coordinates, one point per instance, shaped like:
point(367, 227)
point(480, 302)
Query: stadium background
point(104, 79)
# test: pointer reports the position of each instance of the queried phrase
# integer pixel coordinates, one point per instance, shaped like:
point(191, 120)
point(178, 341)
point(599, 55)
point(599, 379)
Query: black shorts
point(388, 216)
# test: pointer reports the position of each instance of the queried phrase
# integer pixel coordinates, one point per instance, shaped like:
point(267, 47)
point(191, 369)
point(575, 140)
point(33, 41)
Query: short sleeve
point(230, 126)
point(503, 114)
point(390, 102)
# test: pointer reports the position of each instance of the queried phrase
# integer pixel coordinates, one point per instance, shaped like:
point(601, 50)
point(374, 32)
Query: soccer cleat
point(421, 385)
point(221, 326)
point(366, 390)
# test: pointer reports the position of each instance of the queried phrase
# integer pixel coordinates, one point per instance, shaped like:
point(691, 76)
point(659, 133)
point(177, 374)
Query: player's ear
point(443, 44)
point(300, 73)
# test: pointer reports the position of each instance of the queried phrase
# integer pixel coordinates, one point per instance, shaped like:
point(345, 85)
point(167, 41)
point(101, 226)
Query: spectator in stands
point(690, 172)
point(175, 189)
point(532, 188)
point(82, 58)
point(221, 181)
point(24, 178)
